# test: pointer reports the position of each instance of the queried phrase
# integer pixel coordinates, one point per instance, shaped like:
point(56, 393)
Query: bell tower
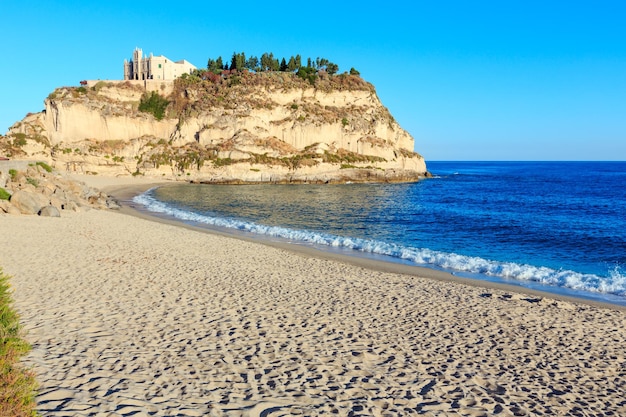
point(137, 64)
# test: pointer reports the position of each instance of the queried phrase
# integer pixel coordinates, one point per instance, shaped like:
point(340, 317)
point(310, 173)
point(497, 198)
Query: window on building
point(159, 65)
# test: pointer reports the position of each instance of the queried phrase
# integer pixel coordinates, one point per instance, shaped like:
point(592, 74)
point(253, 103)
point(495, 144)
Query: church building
point(154, 67)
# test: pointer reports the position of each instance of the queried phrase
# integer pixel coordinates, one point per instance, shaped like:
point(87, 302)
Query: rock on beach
point(35, 191)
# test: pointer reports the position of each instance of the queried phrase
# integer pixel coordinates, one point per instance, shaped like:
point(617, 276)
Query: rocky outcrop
point(269, 127)
point(39, 190)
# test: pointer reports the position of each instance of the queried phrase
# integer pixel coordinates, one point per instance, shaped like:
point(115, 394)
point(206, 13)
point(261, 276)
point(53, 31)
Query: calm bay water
point(556, 226)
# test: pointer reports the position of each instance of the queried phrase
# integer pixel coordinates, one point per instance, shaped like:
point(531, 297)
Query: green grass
point(17, 385)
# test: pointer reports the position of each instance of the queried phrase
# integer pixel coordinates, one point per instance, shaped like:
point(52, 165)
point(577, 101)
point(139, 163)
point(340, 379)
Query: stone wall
point(5, 166)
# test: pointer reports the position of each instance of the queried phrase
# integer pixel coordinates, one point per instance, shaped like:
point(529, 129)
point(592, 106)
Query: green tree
point(354, 72)
point(332, 68)
point(233, 61)
point(321, 63)
point(238, 61)
point(252, 63)
point(266, 62)
point(283, 65)
point(291, 65)
point(275, 66)
point(215, 65)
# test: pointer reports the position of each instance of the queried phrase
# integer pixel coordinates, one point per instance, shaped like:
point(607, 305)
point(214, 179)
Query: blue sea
point(553, 226)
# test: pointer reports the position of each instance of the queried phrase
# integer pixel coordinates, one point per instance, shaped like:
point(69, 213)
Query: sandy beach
point(133, 317)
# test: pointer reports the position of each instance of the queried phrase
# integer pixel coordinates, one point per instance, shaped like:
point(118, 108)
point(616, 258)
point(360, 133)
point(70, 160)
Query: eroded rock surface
point(269, 127)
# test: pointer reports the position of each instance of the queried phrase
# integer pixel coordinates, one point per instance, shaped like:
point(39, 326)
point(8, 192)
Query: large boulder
point(28, 202)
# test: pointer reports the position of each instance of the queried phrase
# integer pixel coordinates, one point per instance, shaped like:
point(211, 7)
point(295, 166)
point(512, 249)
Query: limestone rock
point(4, 206)
point(36, 191)
point(13, 210)
point(262, 128)
point(8, 208)
point(112, 204)
point(49, 211)
point(28, 202)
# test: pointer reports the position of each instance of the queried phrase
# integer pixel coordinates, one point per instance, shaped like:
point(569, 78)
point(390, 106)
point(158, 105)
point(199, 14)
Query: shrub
point(19, 139)
point(4, 194)
point(99, 86)
point(154, 104)
point(220, 162)
point(45, 166)
point(17, 385)
point(307, 73)
point(12, 174)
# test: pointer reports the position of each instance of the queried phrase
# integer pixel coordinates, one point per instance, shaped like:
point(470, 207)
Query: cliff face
point(236, 128)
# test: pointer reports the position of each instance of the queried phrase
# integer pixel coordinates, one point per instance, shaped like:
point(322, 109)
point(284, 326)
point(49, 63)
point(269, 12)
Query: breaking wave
point(613, 284)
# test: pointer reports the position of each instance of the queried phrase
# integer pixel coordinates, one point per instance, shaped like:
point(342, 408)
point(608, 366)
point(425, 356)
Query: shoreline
point(125, 192)
point(131, 316)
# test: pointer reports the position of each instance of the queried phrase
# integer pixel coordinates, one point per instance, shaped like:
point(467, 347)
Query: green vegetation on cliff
point(204, 90)
point(194, 156)
point(154, 104)
point(231, 86)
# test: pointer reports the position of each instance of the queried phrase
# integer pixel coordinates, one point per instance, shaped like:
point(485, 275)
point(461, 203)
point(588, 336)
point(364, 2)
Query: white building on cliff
point(154, 67)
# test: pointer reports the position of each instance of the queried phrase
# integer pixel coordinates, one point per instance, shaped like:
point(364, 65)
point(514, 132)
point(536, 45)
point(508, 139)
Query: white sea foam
point(614, 284)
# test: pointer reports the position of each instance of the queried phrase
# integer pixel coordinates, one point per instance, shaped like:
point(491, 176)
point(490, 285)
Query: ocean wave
point(614, 283)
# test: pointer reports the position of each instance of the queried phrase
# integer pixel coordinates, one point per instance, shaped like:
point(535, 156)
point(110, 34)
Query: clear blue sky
point(479, 80)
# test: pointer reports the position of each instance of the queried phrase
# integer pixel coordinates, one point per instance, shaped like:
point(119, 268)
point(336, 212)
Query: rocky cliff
point(237, 127)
